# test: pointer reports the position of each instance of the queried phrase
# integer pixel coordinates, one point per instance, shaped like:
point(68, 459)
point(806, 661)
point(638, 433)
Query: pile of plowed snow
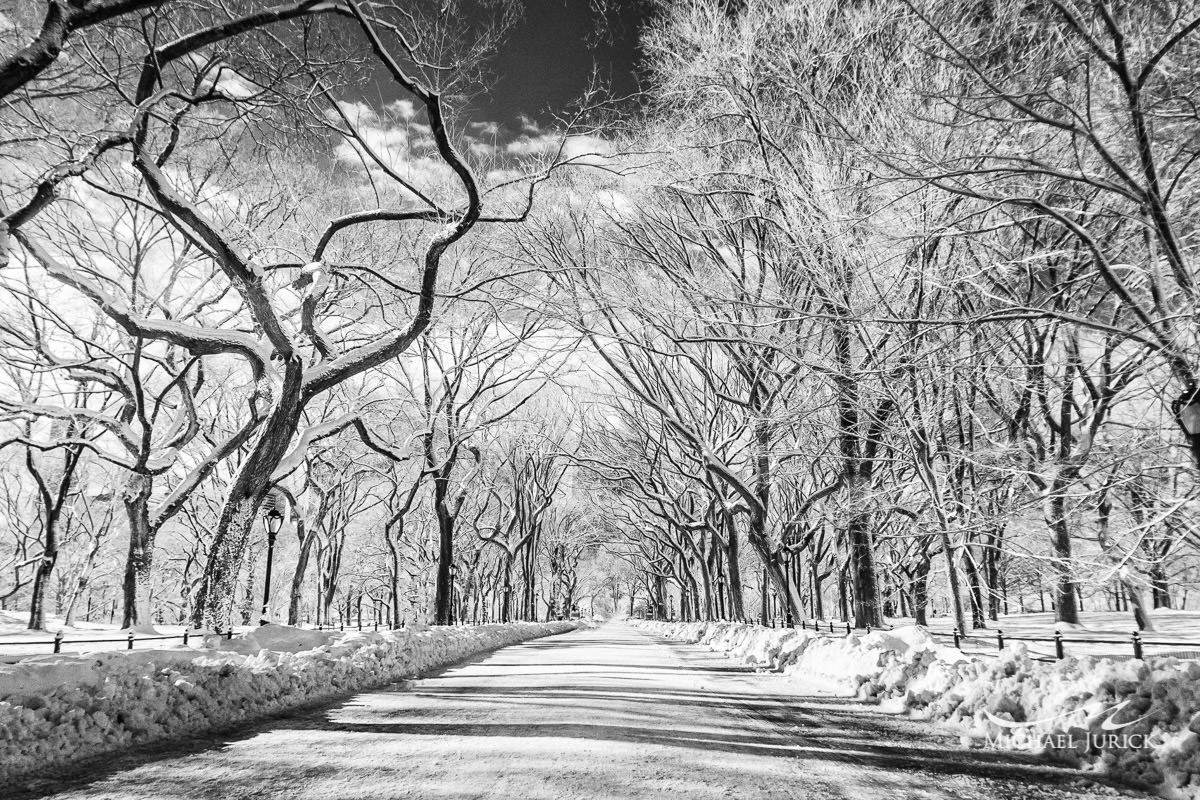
point(56, 709)
point(1133, 720)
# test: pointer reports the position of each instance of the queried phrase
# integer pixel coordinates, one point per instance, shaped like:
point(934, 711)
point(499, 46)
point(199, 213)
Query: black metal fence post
point(1058, 646)
point(1137, 646)
point(58, 637)
point(957, 638)
point(185, 637)
point(129, 641)
point(999, 639)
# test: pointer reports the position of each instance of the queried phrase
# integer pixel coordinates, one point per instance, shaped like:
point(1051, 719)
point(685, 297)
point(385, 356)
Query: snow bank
point(56, 709)
point(1134, 720)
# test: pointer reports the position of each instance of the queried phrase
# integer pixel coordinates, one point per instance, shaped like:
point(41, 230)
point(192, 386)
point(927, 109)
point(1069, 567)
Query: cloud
point(483, 149)
point(484, 128)
point(390, 144)
point(402, 109)
point(528, 125)
point(616, 203)
point(357, 112)
point(585, 150)
point(400, 145)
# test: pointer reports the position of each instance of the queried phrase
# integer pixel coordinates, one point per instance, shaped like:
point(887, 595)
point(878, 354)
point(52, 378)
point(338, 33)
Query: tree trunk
point(41, 579)
point(864, 577)
point(817, 591)
point(733, 568)
point(248, 596)
point(995, 581)
point(1159, 588)
point(52, 506)
point(921, 591)
point(306, 539)
point(974, 588)
point(443, 612)
point(140, 559)
point(1066, 604)
point(215, 598)
point(82, 581)
point(960, 621)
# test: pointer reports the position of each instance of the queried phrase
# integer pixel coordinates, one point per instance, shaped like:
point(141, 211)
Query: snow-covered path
point(601, 713)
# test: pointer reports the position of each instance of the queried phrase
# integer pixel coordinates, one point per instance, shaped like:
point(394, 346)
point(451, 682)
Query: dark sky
point(547, 60)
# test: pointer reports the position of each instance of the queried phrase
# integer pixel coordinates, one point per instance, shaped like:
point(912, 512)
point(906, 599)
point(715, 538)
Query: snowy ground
point(56, 710)
point(601, 713)
point(1135, 720)
point(17, 641)
point(1170, 626)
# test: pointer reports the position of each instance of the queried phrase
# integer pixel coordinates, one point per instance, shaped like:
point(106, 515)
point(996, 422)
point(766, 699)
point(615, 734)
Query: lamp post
point(273, 521)
point(453, 582)
point(1187, 414)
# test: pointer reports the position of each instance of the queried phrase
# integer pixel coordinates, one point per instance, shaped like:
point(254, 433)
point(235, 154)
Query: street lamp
point(453, 579)
point(785, 555)
point(273, 521)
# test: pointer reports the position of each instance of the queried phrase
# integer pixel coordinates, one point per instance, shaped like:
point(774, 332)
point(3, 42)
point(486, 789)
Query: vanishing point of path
point(601, 713)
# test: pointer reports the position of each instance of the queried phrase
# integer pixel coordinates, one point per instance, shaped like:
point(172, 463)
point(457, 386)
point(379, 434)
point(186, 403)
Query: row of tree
point(897, 298)
point(191, 320)
point(908, 290)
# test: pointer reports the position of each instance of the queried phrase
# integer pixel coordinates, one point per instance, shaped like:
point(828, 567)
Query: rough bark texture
point(140, 561)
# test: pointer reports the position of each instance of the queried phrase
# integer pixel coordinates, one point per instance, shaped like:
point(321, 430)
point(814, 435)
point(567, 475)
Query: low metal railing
point(1179, 648)
point(129, 640)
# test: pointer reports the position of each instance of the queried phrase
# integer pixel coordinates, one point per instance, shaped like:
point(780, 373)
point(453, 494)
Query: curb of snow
point(1067, 710)
point(58, 709)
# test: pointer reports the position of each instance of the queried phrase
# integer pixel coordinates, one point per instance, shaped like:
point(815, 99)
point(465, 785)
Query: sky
point(543, 66)
point(548, 58)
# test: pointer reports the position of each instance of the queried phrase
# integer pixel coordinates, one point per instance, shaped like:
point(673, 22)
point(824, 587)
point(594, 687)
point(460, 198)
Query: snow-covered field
point(1108, 633)
point(58, 708)
point(1130, 719)
point(17, 641)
